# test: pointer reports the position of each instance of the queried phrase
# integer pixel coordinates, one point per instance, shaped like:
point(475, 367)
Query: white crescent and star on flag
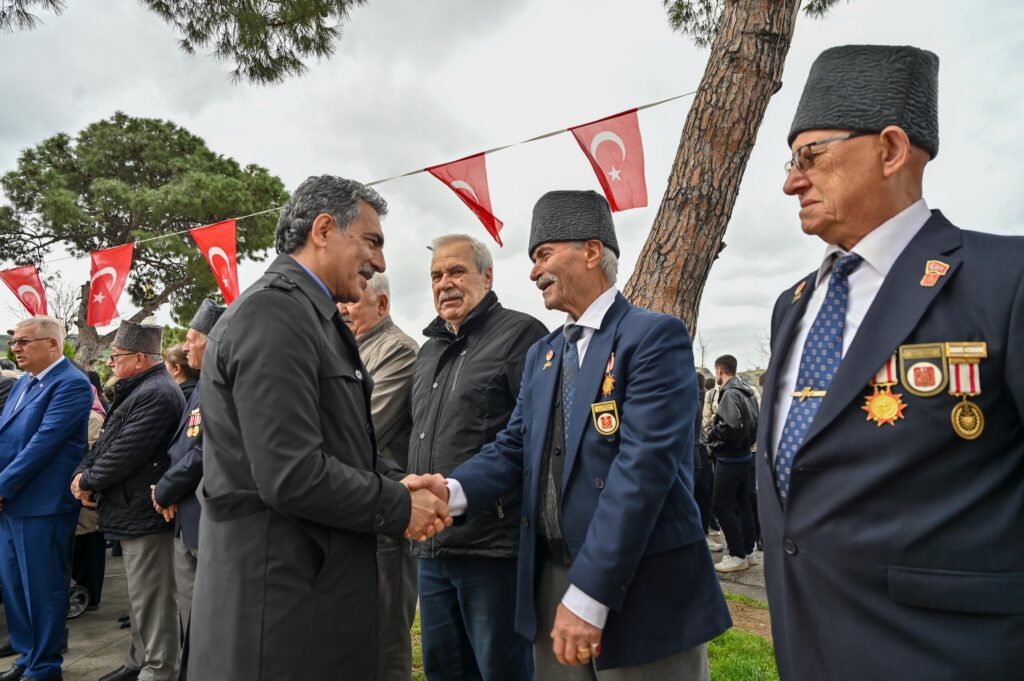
point(608, 136)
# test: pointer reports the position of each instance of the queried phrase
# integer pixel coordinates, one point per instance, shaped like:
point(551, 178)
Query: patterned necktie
point(823, 351)
point(570, 369)
point(32, 382)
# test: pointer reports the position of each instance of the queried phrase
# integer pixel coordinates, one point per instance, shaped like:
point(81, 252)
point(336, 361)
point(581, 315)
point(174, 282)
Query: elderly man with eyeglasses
point(130, 457)
point(891, 444)
point(42, 439)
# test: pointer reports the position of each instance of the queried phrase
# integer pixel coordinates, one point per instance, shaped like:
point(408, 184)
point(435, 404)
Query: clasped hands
point(85, 496)
point(429, 506)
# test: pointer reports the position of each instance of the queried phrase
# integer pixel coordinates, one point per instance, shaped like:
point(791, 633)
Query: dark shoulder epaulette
point(281, 282)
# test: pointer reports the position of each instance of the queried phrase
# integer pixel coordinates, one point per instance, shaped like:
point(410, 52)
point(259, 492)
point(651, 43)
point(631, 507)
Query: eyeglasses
point(22, 342)
point(125, 354)
point(803, 157)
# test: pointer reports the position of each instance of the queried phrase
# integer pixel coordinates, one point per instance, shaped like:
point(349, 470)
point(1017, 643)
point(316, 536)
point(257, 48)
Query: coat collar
point(899, 305)
point(55, 373)
point(439, 327)
point(286, 266)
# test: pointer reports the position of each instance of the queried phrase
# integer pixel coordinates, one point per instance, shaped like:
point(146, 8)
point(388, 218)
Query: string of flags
point(613, 146)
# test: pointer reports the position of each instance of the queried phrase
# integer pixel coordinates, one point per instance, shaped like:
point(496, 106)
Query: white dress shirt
point(582, 605)
point(879, 249)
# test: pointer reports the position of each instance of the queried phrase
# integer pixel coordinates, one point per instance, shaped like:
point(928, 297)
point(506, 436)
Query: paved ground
point(98, 646)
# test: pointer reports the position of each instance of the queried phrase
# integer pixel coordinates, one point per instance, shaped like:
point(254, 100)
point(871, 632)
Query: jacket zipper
point(458, 368)
point(501, 511)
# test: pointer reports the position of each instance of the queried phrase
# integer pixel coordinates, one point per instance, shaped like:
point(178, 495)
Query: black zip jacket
point(734, 428)
point(464, 389)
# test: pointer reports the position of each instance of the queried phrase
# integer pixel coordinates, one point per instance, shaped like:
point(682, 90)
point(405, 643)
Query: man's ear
point(489, 278)
point(595, 249)
point(895, 150)
point(382, 304)
point(322, 226)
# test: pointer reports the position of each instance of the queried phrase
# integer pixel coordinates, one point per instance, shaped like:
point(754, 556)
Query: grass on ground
point(745, 600)
point(734, 656)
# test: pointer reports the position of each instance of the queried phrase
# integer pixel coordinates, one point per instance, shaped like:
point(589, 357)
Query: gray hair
point(481, 253)
point(47, 325)
point(378, 285)
point(328, 194)
point(609, 261)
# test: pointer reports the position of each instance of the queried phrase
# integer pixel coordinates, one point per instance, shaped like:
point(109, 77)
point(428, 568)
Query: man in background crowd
point(130, 457)
point(42, 439)
point(388, 354)
point(733, 432)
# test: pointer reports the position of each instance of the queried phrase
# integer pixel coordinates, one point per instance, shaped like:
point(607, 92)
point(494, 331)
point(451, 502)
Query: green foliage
point(101, 368)
point(128, 178)
point(739, 656)
point(69, 350)
point(173, 335)
point(745, 600)
point(700, 19)
point(267, 40)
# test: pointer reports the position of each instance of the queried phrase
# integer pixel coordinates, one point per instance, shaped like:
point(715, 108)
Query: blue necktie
point(823, 351)
point(570, 369)
point(32, 381)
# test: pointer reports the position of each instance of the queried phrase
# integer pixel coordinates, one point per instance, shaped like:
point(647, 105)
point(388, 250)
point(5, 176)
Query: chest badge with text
point(195, 420)
point(606, 417)
point(923, 368)
point(883, 405)
point(608, 384)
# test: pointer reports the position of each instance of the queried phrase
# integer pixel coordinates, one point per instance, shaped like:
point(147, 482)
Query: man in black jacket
point(129, 457)
point(465, 386)
point(733, 431)
point(174, 496)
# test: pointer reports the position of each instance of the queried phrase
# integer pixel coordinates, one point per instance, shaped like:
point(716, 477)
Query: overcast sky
point(414, 84)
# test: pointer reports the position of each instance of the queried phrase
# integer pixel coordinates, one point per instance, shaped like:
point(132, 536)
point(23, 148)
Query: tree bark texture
point(90, 343)
point(743, 71)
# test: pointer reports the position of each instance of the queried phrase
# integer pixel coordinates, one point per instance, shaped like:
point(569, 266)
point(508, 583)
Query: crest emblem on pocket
point(923, 369)
point(606, 417)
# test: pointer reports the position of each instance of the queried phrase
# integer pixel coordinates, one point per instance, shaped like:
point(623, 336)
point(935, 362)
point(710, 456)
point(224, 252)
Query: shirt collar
point(316, 279)
point(42, 374)
point(882, 245)
point(593, 316)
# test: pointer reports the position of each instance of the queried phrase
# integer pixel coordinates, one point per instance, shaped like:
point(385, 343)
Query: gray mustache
point(546, 278)
point(450, 294)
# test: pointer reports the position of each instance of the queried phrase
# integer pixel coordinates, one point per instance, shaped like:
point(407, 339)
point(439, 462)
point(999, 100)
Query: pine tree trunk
point(91, 344)
point(743, 71)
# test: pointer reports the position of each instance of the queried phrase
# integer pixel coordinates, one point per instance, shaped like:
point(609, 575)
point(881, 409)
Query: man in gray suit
point(293, 492)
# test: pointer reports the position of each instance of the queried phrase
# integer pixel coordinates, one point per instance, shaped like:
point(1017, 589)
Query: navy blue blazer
point(180, 481)
point(42, 441)
point(900, 554)
point(628, 514)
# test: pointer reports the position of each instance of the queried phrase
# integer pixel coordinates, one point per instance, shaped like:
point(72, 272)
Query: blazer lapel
point(588, 382)
point(36, 390)
point(892, 317)
point(544, 387)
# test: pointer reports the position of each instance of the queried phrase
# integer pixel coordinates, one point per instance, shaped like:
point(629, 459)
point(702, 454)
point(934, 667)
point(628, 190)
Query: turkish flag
point(217, 242)
point(468, 179)
point(24, 282)
point(107, 278)
point(615, 150)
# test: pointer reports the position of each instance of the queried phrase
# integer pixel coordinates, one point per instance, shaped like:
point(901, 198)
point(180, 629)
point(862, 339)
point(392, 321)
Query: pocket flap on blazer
point(994, 593)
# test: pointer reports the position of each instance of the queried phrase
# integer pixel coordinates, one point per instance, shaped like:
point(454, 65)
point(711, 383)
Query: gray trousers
point(156, 639)
point(185, 559)
point(688, 665)
point(396, 609)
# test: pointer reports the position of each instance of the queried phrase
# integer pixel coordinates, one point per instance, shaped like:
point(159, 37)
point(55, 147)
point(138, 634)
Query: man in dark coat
point(464, 389)
point(891, 449)
point(174, 496)
point(119, 470)
point(6, 383)
point(293, 493)
point(614, 578)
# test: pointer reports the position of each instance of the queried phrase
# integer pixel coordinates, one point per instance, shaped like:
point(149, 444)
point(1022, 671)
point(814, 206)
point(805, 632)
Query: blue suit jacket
point(180, 481)
point(42, 440)
point(900, 554)
point(628, 514)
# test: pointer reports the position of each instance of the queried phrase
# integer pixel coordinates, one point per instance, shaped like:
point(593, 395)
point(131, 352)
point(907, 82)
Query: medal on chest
point(883, 405)
point(965, 381)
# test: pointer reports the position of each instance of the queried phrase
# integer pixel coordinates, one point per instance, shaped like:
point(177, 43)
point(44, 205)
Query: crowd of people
point(288, 485)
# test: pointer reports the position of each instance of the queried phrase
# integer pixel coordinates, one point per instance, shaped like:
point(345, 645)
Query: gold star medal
point(608, 384)
point(965, 381)
point(883, 405)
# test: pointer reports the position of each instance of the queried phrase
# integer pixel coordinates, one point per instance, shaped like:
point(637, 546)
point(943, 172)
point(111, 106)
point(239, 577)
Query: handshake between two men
point(430, 514)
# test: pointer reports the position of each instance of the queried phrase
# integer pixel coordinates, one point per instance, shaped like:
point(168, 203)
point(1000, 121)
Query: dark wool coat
point(291, 493)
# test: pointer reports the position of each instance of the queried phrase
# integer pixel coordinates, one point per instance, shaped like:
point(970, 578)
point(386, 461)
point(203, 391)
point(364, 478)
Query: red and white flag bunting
point(24, 282)
point(468, 179)
point(217, 242)
point(615, 150)
point(107, 279)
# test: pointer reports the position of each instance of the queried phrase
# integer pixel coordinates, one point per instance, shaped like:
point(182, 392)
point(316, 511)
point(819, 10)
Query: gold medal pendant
point(884, 406)
point(968, 419)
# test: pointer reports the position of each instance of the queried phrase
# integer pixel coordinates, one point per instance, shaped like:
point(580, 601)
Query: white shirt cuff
point(457, 502)
point(586, 608)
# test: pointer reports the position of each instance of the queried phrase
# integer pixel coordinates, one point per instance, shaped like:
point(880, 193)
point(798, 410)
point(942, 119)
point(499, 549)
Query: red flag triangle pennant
point(615, 150)
point(468, 179)
point(217, 242)
point(107, 278)
point(24, 282)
